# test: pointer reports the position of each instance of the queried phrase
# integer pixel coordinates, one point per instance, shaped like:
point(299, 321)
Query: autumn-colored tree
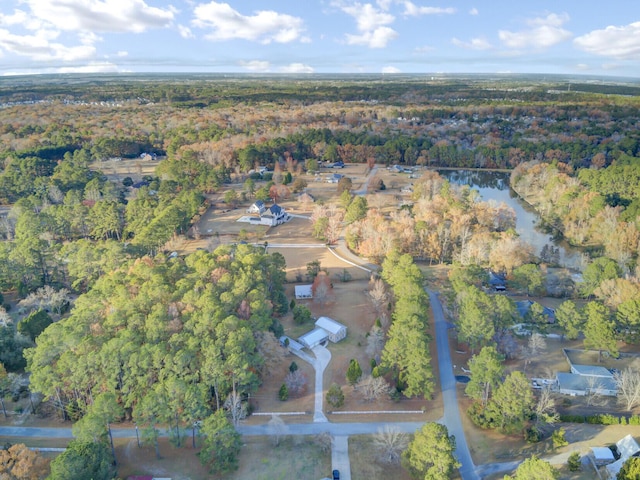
point(18, 462)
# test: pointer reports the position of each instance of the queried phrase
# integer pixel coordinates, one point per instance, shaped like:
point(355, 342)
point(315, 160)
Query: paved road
point(448, 385)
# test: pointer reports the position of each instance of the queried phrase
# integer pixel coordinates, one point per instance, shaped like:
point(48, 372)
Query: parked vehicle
point(336, 475)
point(338, 164)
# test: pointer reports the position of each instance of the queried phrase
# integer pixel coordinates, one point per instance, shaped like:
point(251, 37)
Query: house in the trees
point(257, 207)
point(524, 307)
point(326, 329)
point(497, 282)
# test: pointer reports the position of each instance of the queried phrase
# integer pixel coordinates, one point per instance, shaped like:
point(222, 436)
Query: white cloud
point(377, 38)
point(122, 53)
point(47, 19)
point(413, 10)
point(474, 11)
point(391, 70)
point(256, 65)
point(297, 68)
point(371, 23)
point(424, 49)
point(265, 26)
point(367, 17)
point(479, 43)
point(42, 47)
point(610, 66)
point(101, 15)
point(185, 32)
point(582, 66)
point(94, 67)
point(543, 32)
point(617, 42)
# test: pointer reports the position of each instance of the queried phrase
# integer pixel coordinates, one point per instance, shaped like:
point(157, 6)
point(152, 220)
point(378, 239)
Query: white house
point(257, 207)
point(303, 291)
point(334, 178)
point(275, 215)
point(336, 330)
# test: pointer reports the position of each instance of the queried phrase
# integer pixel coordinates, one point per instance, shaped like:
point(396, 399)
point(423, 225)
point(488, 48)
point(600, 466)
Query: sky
point(591, 37)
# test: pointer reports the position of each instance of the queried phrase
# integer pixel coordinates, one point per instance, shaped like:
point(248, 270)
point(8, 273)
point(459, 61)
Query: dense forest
point(111, 329)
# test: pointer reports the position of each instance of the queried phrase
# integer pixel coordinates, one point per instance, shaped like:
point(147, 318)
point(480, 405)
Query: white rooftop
point(329, 325)
point(314, 337)
point(592, 370)
point(303, 291)
point(602, 454)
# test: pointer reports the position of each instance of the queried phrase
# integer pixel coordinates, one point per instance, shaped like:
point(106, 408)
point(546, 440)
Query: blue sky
point(591, 37)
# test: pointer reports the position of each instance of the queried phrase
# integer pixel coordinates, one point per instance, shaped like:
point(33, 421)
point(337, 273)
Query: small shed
point(303, 291)
point(314, 338)
point(336, 330)
point(602, 456)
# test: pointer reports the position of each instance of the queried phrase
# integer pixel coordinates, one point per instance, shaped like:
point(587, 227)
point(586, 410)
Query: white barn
point(336, 330)
point(303, 291)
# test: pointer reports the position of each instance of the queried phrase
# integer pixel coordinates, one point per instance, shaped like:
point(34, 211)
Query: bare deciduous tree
point(296, 382)
point(373, 388)
point(390, 443)
point(278, 429)
point(379, 297)
point(537, 343)
point(46, 298)
point(375, 342)
point(628, 383)
point(321, 288)
point(545, 409)
point(594, 393)
point(236, 408)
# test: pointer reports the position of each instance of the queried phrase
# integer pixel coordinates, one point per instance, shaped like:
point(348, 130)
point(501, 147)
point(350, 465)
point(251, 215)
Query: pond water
point(495, 186)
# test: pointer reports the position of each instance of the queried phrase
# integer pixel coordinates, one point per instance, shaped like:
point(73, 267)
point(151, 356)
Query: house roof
point(275, 209)
point(259, 203)
point(580, 383)
point(496, 279)
point(303, 291)
point(524, 306)
point(592, 370)
point(329, 325)
point(627, 447)
point(602, 453)
point(314, 337)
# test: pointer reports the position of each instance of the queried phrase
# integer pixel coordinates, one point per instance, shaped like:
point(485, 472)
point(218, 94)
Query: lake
point(495, 186)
